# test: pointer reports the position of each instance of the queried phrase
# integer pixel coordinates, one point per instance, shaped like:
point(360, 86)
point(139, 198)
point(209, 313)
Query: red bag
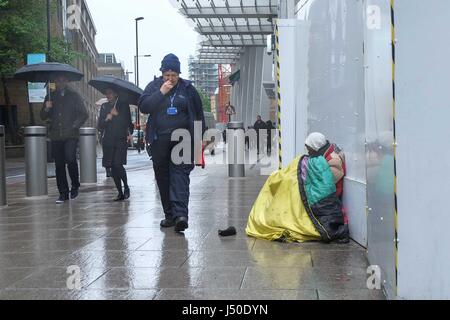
point(201, 162)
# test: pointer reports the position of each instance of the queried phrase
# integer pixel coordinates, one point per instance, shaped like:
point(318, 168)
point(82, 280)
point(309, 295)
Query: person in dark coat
point(108, 170)
point(66, 113)
point(269, 127)
point(259, 125)
point(117, 127)
point(172, 103)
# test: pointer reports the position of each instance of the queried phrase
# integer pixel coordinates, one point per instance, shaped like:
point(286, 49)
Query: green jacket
point(67, 115)
point(320, 181)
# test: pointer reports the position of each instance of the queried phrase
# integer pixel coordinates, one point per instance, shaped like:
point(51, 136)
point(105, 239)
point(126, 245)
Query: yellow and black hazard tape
point(277, 36)
point(394, 115)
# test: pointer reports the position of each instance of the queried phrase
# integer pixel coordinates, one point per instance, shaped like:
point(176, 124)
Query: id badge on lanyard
point(172, 110)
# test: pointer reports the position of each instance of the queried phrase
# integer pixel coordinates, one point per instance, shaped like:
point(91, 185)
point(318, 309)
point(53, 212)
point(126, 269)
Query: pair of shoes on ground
point(123, 196)
point(65, 197)
point(180, 224)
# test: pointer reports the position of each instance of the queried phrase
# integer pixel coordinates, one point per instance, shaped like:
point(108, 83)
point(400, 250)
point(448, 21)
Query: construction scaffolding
point(224, 92)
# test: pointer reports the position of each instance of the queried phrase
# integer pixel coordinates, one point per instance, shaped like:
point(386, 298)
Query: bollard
point(88, 155)
point(36, 161)
point(3, 201)
point(236, 150)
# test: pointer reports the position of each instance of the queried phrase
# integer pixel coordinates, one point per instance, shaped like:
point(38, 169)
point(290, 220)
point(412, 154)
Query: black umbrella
point(126, 90)
point(47, 71)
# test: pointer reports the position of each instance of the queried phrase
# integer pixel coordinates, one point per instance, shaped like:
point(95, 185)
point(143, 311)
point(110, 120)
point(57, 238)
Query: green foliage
point(23, 30)
point(206, 101)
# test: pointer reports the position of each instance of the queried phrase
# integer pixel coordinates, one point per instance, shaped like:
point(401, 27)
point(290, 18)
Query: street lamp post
point(135, 66)
point(137, 83)
point(127, 75)
point(49, 31)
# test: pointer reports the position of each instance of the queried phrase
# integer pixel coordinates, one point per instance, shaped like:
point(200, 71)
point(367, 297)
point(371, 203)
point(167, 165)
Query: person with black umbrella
point(116, 124)
point(66, 114)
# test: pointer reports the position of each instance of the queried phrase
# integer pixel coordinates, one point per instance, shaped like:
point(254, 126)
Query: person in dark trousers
point(66, 113)
point(148, 144)
point(117, 127)
point(101, 135)
point(172, 103)
point(259, 125)
point(269, 127)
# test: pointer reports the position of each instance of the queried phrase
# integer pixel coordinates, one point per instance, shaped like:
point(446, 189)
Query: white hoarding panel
point(380, 139)
point(423, 153)
point(335, 87)
point(287, 38)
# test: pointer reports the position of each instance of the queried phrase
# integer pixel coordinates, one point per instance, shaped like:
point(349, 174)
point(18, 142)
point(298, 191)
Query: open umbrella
point(46, 72)
point(127, 91)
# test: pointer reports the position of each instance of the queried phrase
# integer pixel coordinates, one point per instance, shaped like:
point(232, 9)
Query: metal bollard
point(236, 150)
point(36, 161)
point(88, 155)
point(3, 201)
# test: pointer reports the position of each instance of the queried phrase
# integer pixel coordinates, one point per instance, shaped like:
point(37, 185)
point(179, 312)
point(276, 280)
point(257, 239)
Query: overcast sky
point(163, 31)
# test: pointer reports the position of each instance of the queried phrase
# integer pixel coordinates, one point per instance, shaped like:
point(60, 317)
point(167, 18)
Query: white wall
point(335, 93)
point(380, 140)
point(423, 137)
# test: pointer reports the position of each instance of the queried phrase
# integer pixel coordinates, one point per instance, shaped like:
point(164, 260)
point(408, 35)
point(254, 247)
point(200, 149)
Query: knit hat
point(316, 141)
point(171, 63)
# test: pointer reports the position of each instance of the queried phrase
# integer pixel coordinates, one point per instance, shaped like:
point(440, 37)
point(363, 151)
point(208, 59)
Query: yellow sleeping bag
point(279, 213)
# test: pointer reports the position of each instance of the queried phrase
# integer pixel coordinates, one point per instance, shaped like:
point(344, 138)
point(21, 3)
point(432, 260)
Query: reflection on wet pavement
point(121, 252)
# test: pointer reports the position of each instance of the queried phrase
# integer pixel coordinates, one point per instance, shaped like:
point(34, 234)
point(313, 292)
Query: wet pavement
point(120, 252)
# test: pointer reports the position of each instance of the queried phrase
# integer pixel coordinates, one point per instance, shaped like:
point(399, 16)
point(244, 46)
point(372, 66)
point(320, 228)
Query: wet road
point(15, 168)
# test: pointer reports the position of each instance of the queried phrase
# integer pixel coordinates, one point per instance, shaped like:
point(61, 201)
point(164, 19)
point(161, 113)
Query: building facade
point(82, 39)
point(109, 65)
point(205, 76)
point(80, 32)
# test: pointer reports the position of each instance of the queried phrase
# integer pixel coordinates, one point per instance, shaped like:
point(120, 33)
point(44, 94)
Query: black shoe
point(120, 197)
point(181, 224)
point(126, 193)
point(62, 199)
point(74, 194)
point(342, 236)
point(341, 241)
point(167, 223)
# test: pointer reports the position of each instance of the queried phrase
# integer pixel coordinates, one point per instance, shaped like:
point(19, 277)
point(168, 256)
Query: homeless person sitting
point(303, 201)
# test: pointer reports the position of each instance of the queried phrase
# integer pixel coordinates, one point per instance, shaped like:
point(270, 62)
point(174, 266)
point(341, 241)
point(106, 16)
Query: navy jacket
point(153, 100)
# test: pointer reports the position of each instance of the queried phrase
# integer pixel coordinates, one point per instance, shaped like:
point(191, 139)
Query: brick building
point(82, 40)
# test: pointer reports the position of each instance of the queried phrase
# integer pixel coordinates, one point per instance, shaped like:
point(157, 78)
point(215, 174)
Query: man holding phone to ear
point(172, 103)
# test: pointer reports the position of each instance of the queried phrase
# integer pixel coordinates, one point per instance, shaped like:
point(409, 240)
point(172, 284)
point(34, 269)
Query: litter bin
point(236, 149)
point(36, 161)
point(88, 155)
point(3, 201)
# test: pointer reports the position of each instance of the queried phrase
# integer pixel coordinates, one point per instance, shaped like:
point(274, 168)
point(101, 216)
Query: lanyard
point(172, 98)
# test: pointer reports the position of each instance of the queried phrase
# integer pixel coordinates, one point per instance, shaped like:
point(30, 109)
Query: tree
point(23, 30)
point(206, 101)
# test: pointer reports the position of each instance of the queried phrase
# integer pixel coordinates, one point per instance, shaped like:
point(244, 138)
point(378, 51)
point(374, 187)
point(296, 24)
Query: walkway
point(123, 254)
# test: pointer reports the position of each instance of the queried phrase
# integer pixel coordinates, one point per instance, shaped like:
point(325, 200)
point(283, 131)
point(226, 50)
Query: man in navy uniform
point(172, 103)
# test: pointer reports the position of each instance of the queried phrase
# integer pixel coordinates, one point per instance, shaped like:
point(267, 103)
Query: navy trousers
point(173, 180)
